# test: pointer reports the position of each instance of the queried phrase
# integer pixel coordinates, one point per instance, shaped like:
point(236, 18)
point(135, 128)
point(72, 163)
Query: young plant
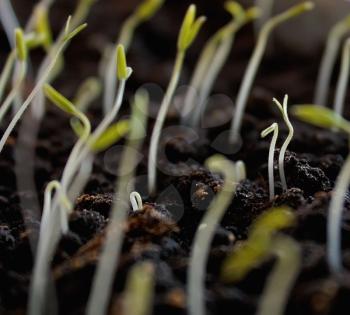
point(284, 111)
point(109, 259)
point(266, 8)
point(325, 118)
point(328, 60)
point(145, 11)
point(280, 281)
point(343, 79)
point(136, 201)
point(22, 57)
point(188, 32)
point(273, 128)
point(139, 291)
point(251, 252)
point(211, 61)
point(254, 62)
point(66, 39)
point(205, 233)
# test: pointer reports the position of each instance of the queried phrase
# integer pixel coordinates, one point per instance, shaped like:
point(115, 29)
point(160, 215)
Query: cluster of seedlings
point(60, 195)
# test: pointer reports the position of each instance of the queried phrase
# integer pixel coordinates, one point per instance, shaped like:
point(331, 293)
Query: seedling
point(254, 63)
point(282, 278)
point(325, 118)
point(343, 79)
point(284, 111)
point(244, 258)
point(188, 32)
point(273, 128)
point(145, 11)
point(211, 61)
point(205, 233)
point(22, 55)
point(8, 20)
point(38, 85)
point(136, 201)
point(139, 291)
point(109, 258)
point(328, 60)
point(266, 7)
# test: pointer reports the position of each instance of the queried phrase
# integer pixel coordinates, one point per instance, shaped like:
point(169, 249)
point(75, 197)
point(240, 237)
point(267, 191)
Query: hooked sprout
point(255, 60)
point(326, 118)
point(282, 277)
point(251, 252)
point(188, 32)
point(38, 85)
point(109, 258)
point(136, 201)
point(343, 79)
point(211, 61)
point(205, 233)
point(273, 128)
point(284, 111)
point(328, 60)
point(145, 11)
point(139, 291)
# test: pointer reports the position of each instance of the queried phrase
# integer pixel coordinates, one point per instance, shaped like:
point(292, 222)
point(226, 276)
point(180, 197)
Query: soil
point(163, 230)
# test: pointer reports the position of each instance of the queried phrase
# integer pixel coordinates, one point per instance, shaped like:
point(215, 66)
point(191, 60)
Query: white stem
point(241, 172)
point(328, 61)
point(213, 71)
point(342, 80)
point(282, 278)
point(6, 72)
point(271, 163)
point(5, 106)
point(334, 224)
point(9, 20)
point(203, 239)
point(164, 107)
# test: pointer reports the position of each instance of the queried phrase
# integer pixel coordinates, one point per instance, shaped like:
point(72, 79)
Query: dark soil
point(163, 230)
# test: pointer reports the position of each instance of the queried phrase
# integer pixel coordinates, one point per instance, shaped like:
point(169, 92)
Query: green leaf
point(43, 26)
point(235, 9)
point(122, 68)
point(59, 100)
point(321, 117)
point(112, 135)
point(21, 46)
point(75, 32)
point(147, 9)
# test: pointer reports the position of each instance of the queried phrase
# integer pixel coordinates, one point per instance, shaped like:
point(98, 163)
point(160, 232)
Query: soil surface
point(162, 232)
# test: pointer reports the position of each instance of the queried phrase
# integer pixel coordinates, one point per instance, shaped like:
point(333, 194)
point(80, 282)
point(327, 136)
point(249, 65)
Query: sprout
point(143, 12)
point(189, 30)
point(321, 117)
point(326, 118)
point(22, 55)
point(328, 60)
point(37, 88)
point(241, 172)
point(205, 233)
point(139, 291)
point(6, 72)
point(255, 61)
point(211, 61)
point(51, 186)
point(136, 201)
point(266, 7)
point(343, 79)
point(280, 281)
point(109, 258)
point(284, 111)
point(273, 128)
point(239, 263)
point(42, 26)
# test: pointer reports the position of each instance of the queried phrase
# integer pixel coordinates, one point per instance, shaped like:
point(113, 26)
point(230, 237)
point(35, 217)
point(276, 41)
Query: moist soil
point(162, 232)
